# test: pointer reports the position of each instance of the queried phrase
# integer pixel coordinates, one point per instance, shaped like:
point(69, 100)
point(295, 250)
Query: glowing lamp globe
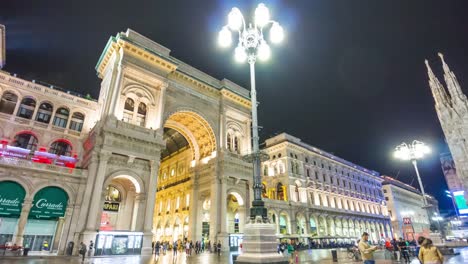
point(224, 37)
point(235, 19)
point(240, 55)
point(276, 33)
point(264, 51)
point(262, 15)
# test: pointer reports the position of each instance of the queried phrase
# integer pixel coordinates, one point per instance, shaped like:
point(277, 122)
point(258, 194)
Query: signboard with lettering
point(407, 221)
point(11, 198)
point(49, 202)
point(109, 206)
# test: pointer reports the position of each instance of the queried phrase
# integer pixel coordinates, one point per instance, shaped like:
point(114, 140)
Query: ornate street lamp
point(413, 152)
point(252, 45)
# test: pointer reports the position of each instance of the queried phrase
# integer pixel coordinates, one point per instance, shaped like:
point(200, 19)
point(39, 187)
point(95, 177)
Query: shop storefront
point(11, 201)
point(118, 243)
point(42, 228)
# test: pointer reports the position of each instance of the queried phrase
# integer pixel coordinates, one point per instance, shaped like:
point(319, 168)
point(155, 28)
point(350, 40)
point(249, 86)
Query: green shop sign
point(49, 202)
point(11, 198)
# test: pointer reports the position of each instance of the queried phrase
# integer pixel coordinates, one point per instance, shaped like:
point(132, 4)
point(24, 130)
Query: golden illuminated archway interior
point(197, 132)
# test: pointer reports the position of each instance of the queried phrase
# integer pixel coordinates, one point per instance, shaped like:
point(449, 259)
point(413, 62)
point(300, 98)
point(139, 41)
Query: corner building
point(312, 194)
point(157, 157)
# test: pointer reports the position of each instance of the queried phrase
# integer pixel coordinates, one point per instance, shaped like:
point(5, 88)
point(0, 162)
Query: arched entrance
point(121, 224)
point(190, 142)
point(46, 218)
point(11, 199)
point(235, 219)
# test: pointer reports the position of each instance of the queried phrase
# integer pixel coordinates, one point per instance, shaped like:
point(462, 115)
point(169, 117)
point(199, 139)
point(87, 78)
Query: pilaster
point(23, 219)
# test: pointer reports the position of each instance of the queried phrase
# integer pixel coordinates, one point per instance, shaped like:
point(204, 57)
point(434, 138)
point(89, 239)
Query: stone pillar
point(96, 201)
point(58, 234)
point(15, 112)
point(92, 171)
point(150, 205)
point(20, 227)
point(67, 225)
point(140, 201)
point(194, 208)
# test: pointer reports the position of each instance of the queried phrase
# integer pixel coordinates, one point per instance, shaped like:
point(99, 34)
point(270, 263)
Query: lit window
point(26, 141)
point(61, 117)
point(26, 109)
point(44, 113)
point(60, 148)
point(76, 122)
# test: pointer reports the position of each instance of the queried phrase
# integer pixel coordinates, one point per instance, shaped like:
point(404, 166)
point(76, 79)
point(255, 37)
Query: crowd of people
point(161, 247)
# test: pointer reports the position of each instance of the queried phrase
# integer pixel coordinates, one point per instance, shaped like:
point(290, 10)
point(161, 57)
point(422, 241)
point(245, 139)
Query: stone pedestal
point(260, 244)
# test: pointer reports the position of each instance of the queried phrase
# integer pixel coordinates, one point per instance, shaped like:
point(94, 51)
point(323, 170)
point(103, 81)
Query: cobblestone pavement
point(319, 256)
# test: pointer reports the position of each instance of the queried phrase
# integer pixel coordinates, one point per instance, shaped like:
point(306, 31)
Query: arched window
point(264, 193)
point(128, 110)
point(236, 144)
point(26, 109)
point(77, 121)
point(141, 114)
point(44, 113)
point(61, 147)
point(8, 103)
point(280, 191)
point(26, 141)
point(61, 117)
point(265, 170)
point(228, 141)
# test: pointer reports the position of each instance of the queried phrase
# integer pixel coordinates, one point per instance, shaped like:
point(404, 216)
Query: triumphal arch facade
point(165, 156)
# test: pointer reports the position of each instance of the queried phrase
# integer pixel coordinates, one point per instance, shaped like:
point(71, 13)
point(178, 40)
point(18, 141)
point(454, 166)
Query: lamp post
point(450, 195)
point(252, 45)
point(413, 152)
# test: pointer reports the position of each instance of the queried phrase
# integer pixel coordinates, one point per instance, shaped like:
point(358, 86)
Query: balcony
point(40, 160)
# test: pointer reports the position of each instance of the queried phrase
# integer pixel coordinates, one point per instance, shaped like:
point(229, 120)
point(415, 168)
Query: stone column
point(92, 171)
point(57, 234)
point(67, 224)
point(20, 227)
point(151, 196)
point(96, 198)
point(15, 112)
point(140, 201)
point(194, 219)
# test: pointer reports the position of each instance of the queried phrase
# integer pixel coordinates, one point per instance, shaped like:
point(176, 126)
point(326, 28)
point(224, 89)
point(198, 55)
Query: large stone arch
point(196, 129)
point(129, 175)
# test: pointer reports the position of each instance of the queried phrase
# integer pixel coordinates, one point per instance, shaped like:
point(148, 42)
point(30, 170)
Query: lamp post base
point(258, 209)
point(260, 244)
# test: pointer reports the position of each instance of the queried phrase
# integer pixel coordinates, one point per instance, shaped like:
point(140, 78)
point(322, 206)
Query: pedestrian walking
point(174, 248)
point(91, 247)
point(218, 248)
point(429, 254)
point(82, 251)
point(367, 251)
point(156, 248)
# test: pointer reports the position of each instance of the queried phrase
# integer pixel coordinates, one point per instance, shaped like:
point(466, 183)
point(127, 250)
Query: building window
point(316, 175)
point(385, 191)
point(236, 145)
point(76, 122)
point(8, 103)
point(128, 110)
point(26, 109)
point(26, 141)
point(44, 113)
point(280, 191)
point(61, 117)
point(308, 173)
point(61, 148)
point(228, 141)
point(141, 114)
point(386, 198)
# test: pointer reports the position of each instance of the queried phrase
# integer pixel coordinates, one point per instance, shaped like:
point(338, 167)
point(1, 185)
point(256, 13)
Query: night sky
point(350, 77)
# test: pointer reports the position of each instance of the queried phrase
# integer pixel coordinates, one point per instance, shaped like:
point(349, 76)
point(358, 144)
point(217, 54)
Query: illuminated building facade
point(313, 194)
point(159, 157)
point(405, 207)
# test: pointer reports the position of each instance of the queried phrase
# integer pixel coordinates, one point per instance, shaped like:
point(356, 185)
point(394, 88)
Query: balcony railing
point(16, 156)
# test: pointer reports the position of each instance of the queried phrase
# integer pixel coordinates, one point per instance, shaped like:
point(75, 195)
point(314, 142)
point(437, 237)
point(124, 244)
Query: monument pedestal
point(260, 244)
